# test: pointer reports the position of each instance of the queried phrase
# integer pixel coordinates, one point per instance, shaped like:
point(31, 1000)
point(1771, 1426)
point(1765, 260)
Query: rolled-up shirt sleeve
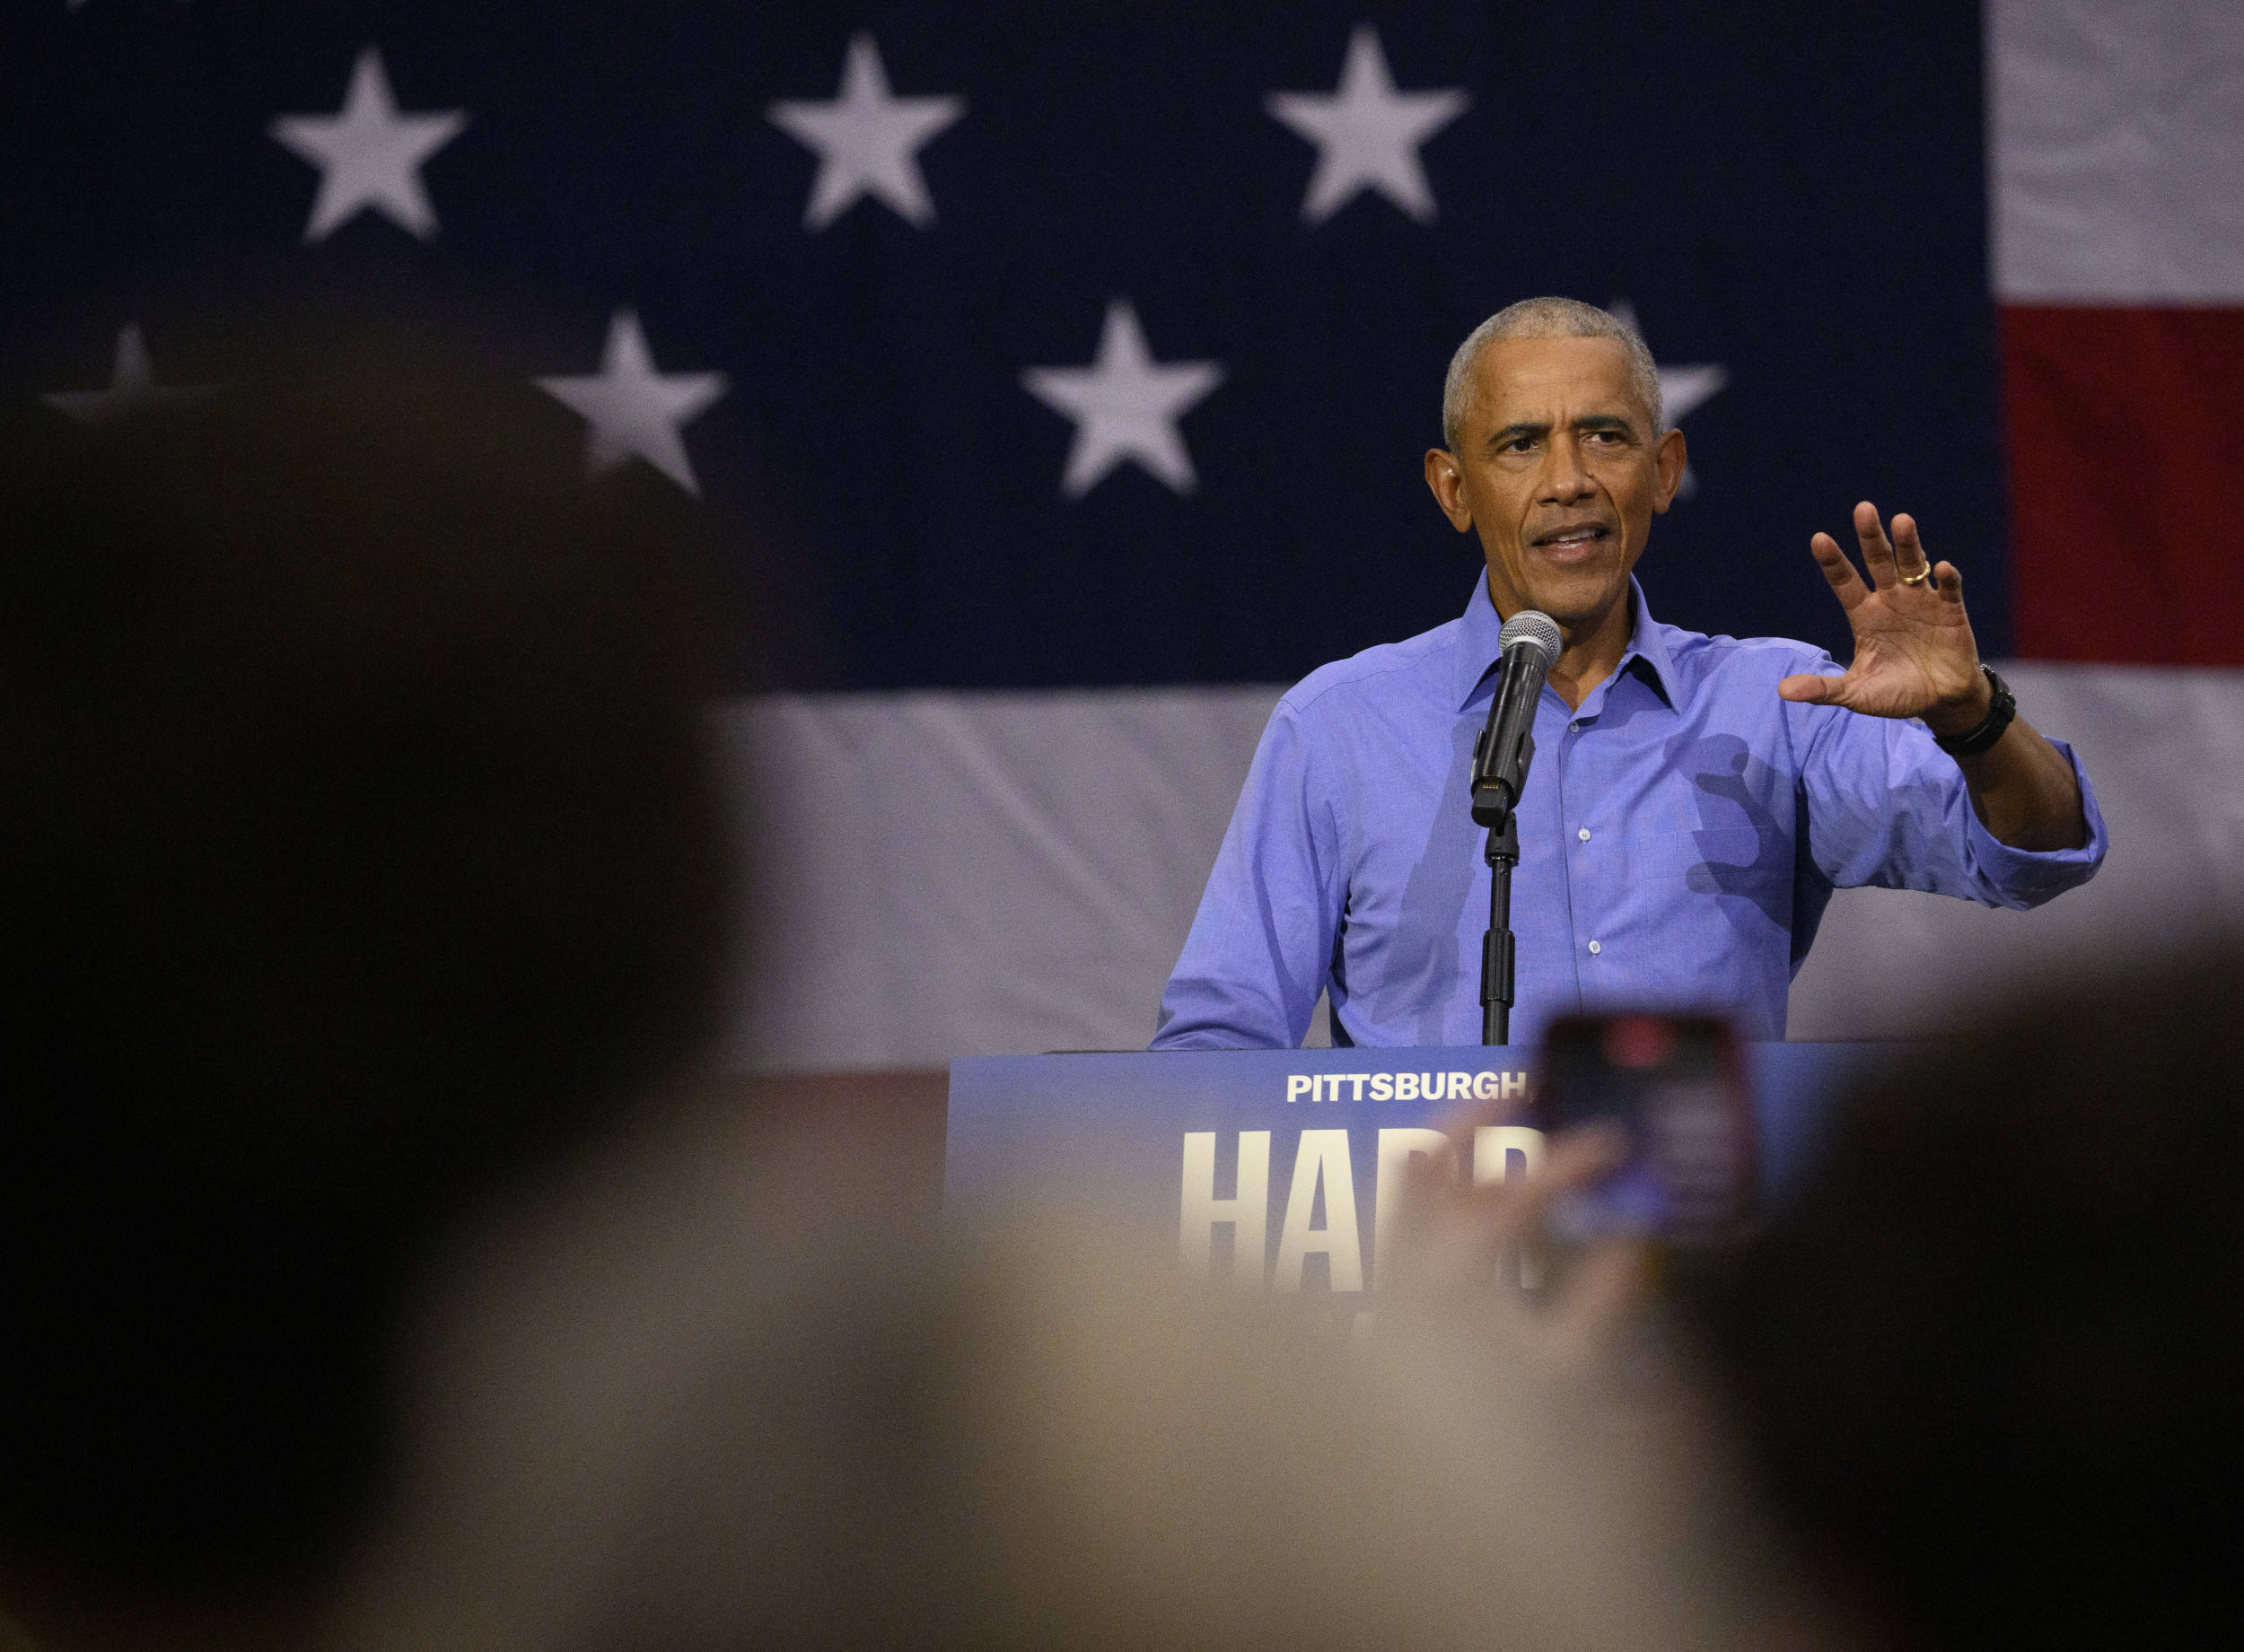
point(1261, 945)
point(1888, 807)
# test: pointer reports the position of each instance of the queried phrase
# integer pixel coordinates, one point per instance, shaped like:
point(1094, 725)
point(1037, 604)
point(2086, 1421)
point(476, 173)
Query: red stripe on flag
point(2127, 458)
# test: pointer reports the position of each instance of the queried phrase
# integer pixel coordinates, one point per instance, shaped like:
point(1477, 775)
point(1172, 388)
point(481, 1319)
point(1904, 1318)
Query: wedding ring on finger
point(1919, 577)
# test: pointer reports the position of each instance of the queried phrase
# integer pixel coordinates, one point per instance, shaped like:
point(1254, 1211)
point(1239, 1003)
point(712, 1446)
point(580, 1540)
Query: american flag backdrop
point(1067, 372)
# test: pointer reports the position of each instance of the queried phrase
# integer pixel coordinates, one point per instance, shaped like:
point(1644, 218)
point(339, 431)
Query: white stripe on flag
point(2116, 141)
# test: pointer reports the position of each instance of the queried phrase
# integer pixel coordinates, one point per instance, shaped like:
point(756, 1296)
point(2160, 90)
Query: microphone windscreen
point(1538, 630)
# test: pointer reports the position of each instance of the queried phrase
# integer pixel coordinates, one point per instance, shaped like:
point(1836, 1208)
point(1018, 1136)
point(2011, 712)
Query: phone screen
point(1675, 1084)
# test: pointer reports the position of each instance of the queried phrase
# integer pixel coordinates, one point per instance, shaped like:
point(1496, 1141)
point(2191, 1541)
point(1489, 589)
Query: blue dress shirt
point(1679, 837)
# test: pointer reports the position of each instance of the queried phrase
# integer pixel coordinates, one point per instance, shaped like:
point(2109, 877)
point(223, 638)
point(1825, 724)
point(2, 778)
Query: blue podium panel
point(1276, 1165)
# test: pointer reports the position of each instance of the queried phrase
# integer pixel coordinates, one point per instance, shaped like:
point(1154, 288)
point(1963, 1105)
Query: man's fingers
point(1576, 1157)
point(1877, 549)
point(1810, 689)
point(1507, 1211)
point(1909, 558)
point(1948, 580)
point(1845, 583)
point(1448, 1234)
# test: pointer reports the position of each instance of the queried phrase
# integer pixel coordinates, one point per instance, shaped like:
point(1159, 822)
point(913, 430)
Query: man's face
point(1557, 468)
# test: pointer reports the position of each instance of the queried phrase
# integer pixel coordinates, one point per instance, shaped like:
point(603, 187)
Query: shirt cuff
point(2024, 877)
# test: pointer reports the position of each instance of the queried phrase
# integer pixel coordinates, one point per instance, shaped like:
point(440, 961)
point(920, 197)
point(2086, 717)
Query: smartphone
point(1675, 1086)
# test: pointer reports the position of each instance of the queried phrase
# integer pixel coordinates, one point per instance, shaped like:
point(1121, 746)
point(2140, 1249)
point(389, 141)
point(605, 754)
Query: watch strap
point(1999, 716)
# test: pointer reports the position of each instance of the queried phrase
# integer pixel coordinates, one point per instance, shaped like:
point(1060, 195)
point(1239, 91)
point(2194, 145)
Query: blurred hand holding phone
point(1651, 1157)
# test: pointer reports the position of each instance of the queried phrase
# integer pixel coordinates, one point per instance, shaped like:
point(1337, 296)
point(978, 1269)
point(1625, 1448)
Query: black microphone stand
point(1498, 948)
point(1494, 799)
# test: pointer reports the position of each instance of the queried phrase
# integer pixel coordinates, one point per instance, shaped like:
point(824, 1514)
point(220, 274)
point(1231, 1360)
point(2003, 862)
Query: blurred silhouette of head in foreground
point(1988, 1365)
point(360, 858)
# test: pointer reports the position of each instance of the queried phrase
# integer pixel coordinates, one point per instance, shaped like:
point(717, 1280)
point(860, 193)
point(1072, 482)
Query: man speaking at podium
point(1694, 800)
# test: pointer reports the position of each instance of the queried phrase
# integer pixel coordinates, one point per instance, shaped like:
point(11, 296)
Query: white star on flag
point(633, 412)
point(1681, 389)
point(369, 155)
point(868, 141)
point(132, 384)
point(1125, 405)
point(1367, 134)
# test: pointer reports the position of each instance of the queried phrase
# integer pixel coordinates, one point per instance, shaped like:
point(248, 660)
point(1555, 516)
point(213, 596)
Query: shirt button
point(1595, 948)
point(1583, 834)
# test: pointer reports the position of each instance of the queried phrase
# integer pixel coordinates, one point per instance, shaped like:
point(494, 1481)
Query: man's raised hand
point(1913, 652)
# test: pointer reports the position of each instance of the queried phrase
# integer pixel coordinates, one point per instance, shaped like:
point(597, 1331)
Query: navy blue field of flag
point(1043, 347)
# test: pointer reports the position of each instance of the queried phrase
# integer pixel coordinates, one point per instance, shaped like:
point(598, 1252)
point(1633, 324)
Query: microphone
point(1530, 644)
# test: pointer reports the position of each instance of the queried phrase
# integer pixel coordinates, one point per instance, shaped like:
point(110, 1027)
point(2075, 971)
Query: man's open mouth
point(1578, 536)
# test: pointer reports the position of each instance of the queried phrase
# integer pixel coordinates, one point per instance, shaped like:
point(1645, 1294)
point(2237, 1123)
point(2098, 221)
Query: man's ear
point(1448, 483)
point(1668, 461)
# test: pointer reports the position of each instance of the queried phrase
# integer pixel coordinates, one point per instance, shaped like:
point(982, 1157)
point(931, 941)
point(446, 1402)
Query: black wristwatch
point(1998, 718)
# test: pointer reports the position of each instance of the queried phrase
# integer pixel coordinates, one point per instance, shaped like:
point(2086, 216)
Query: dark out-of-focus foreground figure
point(1989, 1364)
point(361, 857)
point(737, 1400)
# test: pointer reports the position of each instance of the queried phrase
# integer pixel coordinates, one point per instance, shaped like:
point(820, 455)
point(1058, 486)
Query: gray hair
point(1548, 318)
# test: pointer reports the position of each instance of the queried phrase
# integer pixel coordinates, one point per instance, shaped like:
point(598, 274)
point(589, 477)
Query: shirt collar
point(1478, 649)
point(1648, 648)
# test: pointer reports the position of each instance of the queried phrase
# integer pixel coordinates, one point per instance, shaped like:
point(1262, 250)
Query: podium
point(1278, 1168)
